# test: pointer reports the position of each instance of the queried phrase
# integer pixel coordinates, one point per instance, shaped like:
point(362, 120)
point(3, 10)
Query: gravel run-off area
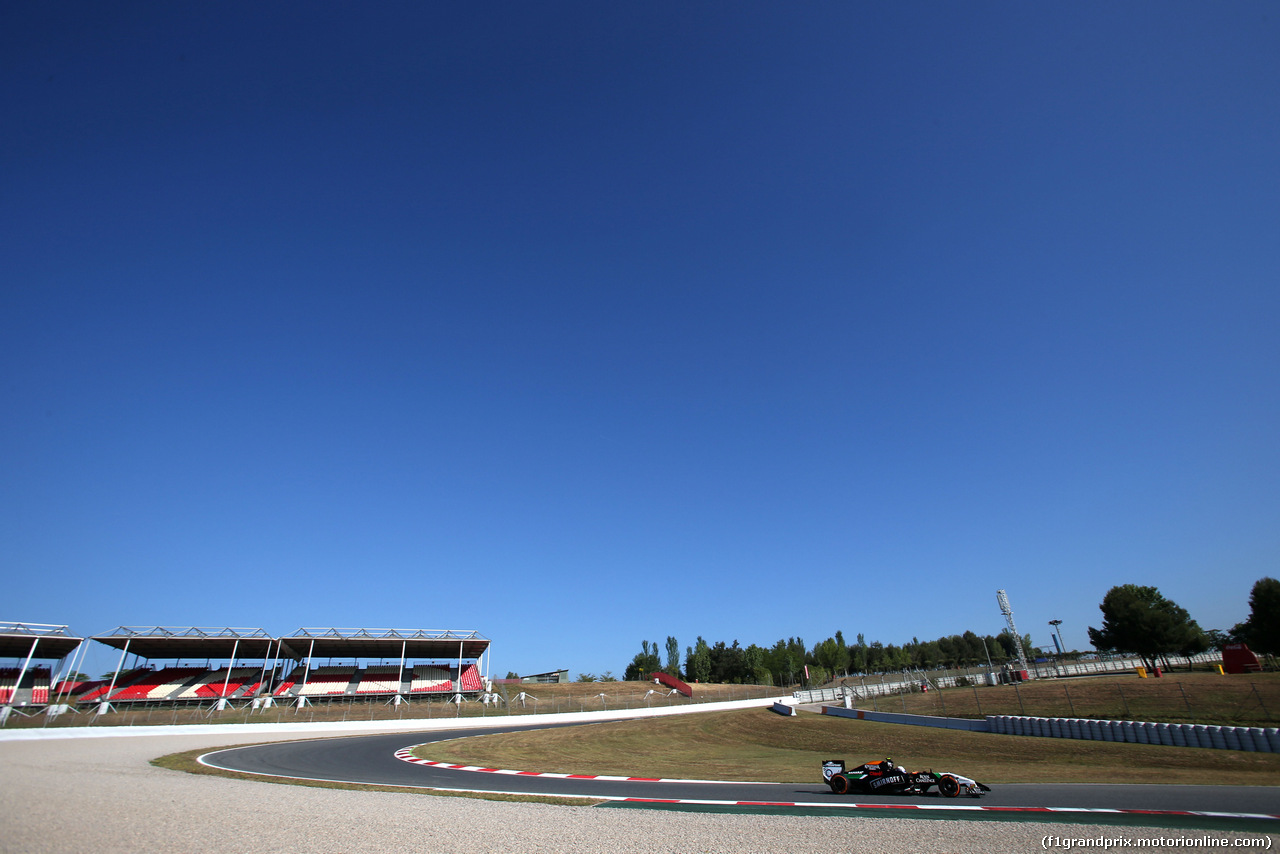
point(102, 795)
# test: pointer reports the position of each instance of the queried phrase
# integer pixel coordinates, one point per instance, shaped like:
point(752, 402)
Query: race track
point(373, 760)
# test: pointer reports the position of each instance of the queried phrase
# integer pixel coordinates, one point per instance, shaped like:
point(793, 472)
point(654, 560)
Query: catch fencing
point(888, 684)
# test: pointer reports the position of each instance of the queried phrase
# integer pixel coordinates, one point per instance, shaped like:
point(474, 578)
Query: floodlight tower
point(1003, 599)
point(1057, 626)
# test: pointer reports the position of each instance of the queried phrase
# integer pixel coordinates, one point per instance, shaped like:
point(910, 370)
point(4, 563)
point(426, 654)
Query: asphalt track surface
point(372, 760)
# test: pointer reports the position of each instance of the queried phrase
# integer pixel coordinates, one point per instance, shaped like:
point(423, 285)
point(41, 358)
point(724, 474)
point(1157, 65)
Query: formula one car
point(884, 777)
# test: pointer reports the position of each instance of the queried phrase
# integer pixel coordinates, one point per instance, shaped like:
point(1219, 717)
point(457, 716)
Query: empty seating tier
point(325, 681)
point(290, 681)
point(158, 685)
point(470, 679)
point(33, 690)
point(211, 685)
point(382, 679)
point(431, 678)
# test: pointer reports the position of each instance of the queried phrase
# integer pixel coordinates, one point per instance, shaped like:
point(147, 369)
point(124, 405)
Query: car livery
point(882, 776)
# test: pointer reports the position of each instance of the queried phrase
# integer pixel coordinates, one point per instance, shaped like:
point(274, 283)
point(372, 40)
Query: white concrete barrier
point(321, 728)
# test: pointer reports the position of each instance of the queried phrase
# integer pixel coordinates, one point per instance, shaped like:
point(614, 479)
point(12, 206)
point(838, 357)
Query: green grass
point(756, 744)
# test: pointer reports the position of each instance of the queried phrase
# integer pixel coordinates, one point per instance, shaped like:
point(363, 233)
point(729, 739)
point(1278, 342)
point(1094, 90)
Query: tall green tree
point(758, 672)
point(673, 656)
point(786, 661)
point(645, 662)
point(697, 664)
point(832, 655)
point(728, 664)
point(1142, 621)
point(1262, 630)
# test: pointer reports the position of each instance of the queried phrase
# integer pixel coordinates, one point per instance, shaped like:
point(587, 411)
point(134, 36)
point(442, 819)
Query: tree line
point(1136, 619)
point(789, 660)
point(1140, 620)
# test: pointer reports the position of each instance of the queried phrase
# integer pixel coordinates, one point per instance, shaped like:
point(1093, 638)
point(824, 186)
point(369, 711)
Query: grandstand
point(174, 666)
point(34, 645)
point(198, 680)
point(442, 663)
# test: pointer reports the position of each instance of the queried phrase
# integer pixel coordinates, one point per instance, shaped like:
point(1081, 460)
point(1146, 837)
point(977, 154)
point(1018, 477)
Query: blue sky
point(582, 324)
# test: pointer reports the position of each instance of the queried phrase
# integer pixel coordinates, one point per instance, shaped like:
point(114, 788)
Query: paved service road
point(371, 759)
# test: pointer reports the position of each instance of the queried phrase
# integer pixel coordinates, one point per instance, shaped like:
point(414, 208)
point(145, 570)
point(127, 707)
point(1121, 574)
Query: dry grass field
point(756, 744)
point(1178, 697)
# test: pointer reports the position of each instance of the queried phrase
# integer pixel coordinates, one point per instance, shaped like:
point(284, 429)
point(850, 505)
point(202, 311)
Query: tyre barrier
point(1252, 739)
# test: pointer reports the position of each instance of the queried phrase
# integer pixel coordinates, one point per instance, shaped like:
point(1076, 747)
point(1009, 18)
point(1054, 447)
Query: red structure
point(672, 682)
point(1238, 658)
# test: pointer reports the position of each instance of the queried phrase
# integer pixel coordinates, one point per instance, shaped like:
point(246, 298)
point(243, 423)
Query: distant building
point(555, 677)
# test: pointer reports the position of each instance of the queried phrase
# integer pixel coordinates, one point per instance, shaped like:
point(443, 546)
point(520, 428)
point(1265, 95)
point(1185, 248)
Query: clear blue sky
point(579, 324)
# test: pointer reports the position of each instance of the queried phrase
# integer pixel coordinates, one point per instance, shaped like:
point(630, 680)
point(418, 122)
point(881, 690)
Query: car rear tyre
point(948, 786)
point(839, 784)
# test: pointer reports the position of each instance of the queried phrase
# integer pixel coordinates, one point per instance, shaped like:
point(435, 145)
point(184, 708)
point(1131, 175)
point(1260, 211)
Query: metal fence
point(885, 684)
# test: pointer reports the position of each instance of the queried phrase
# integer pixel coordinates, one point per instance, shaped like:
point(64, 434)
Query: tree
point(673, 657)
point(645, 662)
point(697, 665)
point(1262, 630)
point(1140, 620)
point(728, 664)
point(1216, 639)
point(832, 655)
point(971, 646)
point(786, 660)
point(757, 671)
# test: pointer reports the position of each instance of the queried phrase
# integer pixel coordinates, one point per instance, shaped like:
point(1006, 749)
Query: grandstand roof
point(161, 642)
point(51, 642)
point(384, 643)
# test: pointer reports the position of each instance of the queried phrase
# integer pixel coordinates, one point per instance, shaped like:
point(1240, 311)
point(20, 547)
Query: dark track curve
point(370, 759)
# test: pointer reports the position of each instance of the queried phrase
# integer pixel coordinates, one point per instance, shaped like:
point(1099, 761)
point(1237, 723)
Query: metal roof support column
point(458, 687)
point(23, 672)
point(302, 697)
point(72, 663)
point(222, 698)
point(400, 678)
point(262, 674)
point(105, 705)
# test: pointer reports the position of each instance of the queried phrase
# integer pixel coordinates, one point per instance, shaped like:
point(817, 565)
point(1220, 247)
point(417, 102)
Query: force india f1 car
point(884, 778)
